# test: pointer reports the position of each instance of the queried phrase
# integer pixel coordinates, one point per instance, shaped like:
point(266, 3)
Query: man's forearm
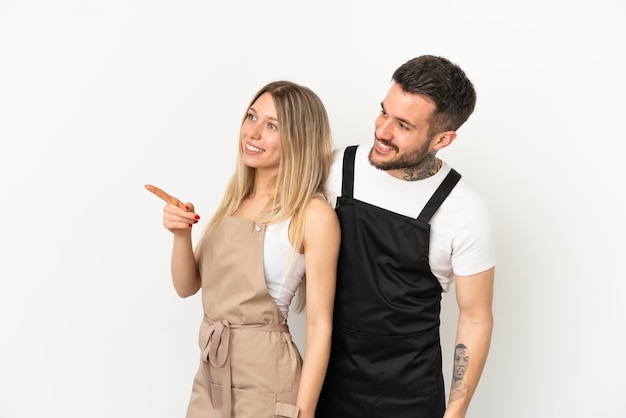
point(470, 356)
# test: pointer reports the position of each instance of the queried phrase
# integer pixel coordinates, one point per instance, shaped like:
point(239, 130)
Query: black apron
point(386, 355)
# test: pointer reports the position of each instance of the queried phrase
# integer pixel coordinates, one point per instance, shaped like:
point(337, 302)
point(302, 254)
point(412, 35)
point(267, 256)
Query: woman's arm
point(178, 218)
point(321, 249)
point(185, 275)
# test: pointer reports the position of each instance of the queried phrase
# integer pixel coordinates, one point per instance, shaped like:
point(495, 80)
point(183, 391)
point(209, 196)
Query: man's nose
point(383, 128)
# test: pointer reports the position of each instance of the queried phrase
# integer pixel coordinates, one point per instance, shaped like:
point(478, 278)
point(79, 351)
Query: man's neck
point(428, 167)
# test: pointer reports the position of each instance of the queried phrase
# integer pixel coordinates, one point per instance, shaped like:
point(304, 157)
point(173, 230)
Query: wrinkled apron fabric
point(386, 355)
point(249, 365)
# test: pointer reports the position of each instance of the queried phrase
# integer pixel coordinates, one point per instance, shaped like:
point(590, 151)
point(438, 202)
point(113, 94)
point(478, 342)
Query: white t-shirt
point(283, 272)
point(461, 239)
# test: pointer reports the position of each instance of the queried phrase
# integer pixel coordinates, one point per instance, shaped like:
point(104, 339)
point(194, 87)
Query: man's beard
point(409, 160)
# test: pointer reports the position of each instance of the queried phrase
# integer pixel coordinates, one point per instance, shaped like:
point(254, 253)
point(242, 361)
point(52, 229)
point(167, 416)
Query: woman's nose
point(254, 132)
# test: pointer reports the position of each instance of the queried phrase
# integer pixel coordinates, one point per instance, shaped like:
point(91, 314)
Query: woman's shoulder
point(318, 202)
point(319, 212)
point(321, 225)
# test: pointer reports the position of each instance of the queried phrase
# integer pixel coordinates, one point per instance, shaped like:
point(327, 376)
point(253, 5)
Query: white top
point(461, 236)
point(282, 276)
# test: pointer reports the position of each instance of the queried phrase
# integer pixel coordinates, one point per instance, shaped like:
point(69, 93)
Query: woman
point(272, 226)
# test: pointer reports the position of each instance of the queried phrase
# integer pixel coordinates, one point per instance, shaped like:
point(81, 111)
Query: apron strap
point(347, 183)
point(219, 340)
point(439, 196)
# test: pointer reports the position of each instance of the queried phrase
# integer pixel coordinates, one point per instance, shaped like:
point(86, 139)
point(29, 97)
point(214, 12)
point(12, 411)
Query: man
point(410, 227)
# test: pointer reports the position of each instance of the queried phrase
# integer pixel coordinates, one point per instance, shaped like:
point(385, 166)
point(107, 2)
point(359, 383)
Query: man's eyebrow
point(404, 121)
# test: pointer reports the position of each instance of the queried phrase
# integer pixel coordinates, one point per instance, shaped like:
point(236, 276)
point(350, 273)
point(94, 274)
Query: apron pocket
point(246, 403)
point(386, 366)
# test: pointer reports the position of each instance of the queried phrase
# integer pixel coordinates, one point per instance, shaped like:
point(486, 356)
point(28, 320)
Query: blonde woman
point(272, 226)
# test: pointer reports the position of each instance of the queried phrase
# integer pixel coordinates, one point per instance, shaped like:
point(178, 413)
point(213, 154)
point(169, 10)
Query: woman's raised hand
point(176, 214)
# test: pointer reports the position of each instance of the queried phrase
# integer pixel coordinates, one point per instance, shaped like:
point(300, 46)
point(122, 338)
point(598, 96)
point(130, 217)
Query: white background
point(99, 98)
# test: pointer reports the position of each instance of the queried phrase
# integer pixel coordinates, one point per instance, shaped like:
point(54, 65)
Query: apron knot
point(219, 337)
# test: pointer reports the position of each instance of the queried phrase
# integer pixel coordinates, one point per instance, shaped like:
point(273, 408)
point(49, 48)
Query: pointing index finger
point(160, 193)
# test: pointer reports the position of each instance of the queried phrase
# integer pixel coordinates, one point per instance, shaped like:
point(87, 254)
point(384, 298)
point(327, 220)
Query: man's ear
point(444, 139)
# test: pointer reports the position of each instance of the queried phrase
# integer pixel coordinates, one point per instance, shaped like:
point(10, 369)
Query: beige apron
point(246, 346)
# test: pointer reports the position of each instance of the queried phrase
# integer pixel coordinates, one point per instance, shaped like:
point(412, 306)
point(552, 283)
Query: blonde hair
point(306, 147)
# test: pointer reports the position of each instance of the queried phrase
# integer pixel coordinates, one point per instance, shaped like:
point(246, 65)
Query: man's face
point(461, 358)
point(401, 136)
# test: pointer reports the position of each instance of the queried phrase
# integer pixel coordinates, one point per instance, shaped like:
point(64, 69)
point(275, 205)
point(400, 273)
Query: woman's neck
point(257, 201)
point(264, 184)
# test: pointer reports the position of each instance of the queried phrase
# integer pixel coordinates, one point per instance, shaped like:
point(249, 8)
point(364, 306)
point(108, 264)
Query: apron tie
point(219, 333)
point(219, 340)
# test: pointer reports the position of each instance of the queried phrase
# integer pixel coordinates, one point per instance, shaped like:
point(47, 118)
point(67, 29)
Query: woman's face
point(260, 135)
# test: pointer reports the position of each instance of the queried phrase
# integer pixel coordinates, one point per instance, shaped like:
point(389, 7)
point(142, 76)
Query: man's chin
point(376, 164)
point(376, 160)
point(382, 164)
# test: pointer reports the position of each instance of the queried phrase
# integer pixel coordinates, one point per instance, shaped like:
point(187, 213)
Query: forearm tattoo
point(459, 389)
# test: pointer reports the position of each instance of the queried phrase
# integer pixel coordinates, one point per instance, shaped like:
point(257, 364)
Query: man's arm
point(474, 296)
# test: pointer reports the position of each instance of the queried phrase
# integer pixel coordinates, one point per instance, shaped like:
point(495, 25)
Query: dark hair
point(443, 82)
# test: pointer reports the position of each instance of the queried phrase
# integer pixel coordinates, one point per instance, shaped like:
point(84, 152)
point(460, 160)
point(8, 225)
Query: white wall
point(99, 98)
